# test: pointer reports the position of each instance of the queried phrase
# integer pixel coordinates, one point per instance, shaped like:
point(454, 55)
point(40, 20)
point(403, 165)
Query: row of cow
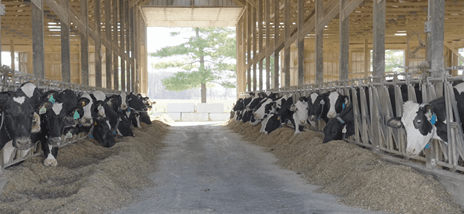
point(422, 121)
point(29, 115)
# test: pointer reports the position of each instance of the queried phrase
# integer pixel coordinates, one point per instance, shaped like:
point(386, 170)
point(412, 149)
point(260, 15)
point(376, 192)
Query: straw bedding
point(88, 179)
point(357, 175)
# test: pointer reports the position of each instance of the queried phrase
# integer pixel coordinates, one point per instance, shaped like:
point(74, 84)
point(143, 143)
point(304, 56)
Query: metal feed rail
point(371, 130)
point(11, 80)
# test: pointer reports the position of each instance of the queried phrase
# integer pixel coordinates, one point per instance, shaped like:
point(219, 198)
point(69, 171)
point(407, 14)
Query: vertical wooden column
point(260, 43)
point(276, 39)
point(98, 52)
point(378, 42)
point(267, 18)
point(344, 40)
point(243, 52)
point(38, 38)
point(12, 51)
point(65, 46)
point(436, 37)
point(122, 43)
point(287, 27)
point(115, 44)
point(109, 50)
point(249, 63)
point(367, 58)
point(253, 61)
point(301, 37)
point(319, 42)
point(238, 64)
point(128, 49)
point(135, 48)
point(84, 44)
point(1, 37)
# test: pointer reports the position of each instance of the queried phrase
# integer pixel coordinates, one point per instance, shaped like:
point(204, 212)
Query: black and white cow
point(101, 128)
point(426, 121)
point(318, 105)
point(337, 103)
point(297, 114)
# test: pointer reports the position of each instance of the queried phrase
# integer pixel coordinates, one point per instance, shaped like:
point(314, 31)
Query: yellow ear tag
point(278, 118)
point(95, 123)
point(83, 104)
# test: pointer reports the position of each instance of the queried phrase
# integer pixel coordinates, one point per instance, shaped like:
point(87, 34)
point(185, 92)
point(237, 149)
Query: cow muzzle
point(302, 122)
point(86, 122)
point(312, 118)
point(22, 143)
point(54, 141)
point(331, 114)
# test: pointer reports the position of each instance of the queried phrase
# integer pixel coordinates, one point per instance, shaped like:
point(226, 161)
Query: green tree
point(207, 57)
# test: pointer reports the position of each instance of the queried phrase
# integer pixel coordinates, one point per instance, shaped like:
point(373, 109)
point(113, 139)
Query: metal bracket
point(427, 27)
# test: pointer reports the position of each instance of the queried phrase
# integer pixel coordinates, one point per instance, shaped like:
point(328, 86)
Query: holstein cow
point(17, 115)
point(101, 128)
point(337, 103)
point(248, 112)
point(118, 119)
point(296, 113)
point(318, 107)
point(136, 107)
point(426, 121)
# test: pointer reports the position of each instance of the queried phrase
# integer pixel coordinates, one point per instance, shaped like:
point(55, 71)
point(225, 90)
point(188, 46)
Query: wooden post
point(238, 65)
point(249, 63)
point(436, 37)
point(319, 42)
point(84, 44)
point(268, 42)
point(260, 43)
point(122, 19)
point(12, 51)
point(378, 41)
point(98, 52)
point(1, 51)
point(301, 55)
point(109, 56)
point(253, 60)
point(115, 43)
point(128, 49)
point(276, 39)
point(65, 46)
point(344, 43)
point(367, 58)
point(38, 55)
point(287, 27)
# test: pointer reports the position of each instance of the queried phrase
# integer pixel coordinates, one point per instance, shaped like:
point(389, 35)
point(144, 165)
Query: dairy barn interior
point(314, 45)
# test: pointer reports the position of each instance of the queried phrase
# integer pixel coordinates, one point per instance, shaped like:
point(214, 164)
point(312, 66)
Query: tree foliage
point(207, 57)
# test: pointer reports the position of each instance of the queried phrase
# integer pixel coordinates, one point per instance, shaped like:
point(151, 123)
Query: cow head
point(343, 124)
point(135, 103)
point(416, 120)
point(259, 111)
point(124, 126)
point(123, 101)
point(86, 102)
point(98, 110)
point(300, 111)
point(54, 119)
point(337, 102)
point(318, 104)
point(102, 133)
point(17, 112)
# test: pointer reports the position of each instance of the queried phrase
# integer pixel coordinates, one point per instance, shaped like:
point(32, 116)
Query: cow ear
point(82, 101)
point(347, 101)
point(395, 122)
point(293, 107)
point(44, 106)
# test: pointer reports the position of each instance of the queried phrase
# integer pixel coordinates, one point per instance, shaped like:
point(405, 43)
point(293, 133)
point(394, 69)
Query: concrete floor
point(207, 168)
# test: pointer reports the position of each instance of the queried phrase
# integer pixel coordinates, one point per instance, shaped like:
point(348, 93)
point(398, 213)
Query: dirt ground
point(357, 175)
point(89, 178)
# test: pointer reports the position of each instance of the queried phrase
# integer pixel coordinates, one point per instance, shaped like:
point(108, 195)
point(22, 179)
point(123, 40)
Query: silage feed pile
point(88, 179)
point(358, 176)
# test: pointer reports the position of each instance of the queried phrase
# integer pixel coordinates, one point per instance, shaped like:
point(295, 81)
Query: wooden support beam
point(268, 42)
point(109, 51)
point(301, 56)
point(132, 3)
point(287, 27)
point(319, 41)
point(276, 46)
point(436, 38)
point(248, 23)
point(132, 48)
point(122, 40)
point(378, 41)
point(260, 42)
point(1, 37)
point(38, 38)
point(115, 41)
point(98, 52)
point(84, 44)
point(61, 11)
point(128, 48)
point(344, 35)
point(65, 45)
point(253, 28)
point(12, 55)
point(453, 50)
